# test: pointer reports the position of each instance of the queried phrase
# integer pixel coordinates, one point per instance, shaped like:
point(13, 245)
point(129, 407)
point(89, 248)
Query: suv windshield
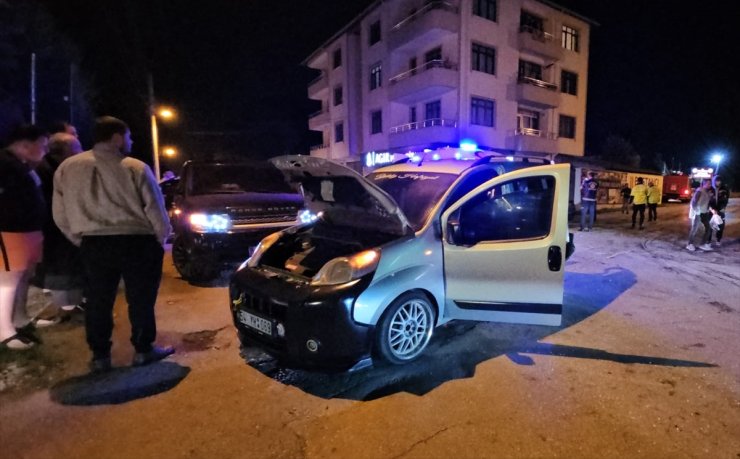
point(415, 192)
point(236, 178)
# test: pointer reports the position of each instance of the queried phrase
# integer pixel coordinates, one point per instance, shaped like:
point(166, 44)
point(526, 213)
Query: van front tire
point(405, 328)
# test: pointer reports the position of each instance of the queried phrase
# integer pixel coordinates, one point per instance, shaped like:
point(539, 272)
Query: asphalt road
point(645, 365)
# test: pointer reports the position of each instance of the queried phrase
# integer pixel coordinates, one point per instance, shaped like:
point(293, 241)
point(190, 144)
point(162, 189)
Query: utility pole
point(153, 118)
point(33, 88)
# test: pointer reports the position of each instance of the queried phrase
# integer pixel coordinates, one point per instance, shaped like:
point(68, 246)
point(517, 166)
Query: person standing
point(653, 198)
point(22, 212)
point(638, 196)
point(110, 205)
point(589, 189)
point(61, 269)
point(625, 193)
point(719, 204)
point(699, 214)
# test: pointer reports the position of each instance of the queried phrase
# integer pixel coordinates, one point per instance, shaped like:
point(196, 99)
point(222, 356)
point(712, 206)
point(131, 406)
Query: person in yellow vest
point(639, 197)
point(653, 198)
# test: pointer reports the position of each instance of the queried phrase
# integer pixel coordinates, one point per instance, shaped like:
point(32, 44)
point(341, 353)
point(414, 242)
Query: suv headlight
point(262, 247)
point(210, 223)
point(344, 269)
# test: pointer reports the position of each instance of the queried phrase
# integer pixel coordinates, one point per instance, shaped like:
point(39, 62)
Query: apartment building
point(452, 78)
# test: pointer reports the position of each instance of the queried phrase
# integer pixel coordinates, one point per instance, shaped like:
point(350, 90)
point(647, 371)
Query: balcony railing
point(537, 34)
point(317, 113)
point(437, 5)
point(318, 147)
point(317, 79)
point(423, 124)
point(433, 64)
point(536, 133)
point(539, 83)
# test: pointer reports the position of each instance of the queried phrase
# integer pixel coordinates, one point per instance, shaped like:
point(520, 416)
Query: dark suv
point(222, 210)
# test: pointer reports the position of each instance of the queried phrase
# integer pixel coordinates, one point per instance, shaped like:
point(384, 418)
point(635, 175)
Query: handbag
point(715, 222)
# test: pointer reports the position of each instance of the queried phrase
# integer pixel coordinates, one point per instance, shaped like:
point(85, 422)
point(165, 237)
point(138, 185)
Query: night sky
point(660, 73)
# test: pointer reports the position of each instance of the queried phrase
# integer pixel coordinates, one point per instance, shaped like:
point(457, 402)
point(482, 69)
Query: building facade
point(456, 77)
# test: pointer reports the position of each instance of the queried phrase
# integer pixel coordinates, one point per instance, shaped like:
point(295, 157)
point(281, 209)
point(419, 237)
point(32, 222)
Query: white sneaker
point(718, 244)
point(690, 247)
point(706, 247)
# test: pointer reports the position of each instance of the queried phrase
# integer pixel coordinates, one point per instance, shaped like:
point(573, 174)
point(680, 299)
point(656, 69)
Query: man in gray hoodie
point(700, 215)
point(111, 206)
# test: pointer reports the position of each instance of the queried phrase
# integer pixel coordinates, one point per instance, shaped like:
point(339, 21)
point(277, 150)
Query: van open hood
point(343, 196)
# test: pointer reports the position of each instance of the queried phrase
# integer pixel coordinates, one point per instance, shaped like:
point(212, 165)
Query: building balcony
point(532, 140)
point(320, 151)
point(536, 92)
point(423, 133)
point(427, 81)
point(424, 27)
point(317, 121)
point(540, 43)
point(319, 88)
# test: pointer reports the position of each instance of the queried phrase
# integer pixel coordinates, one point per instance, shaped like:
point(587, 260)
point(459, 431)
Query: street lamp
point(165, 113)
point(169, 151)
point(717, 158)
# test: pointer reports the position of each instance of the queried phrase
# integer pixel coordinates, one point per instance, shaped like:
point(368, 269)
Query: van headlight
point(344, 269)
point(262, 247)
point(210, 223)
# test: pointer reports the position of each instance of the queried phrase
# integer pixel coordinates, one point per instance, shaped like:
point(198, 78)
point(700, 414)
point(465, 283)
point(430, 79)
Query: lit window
point(482, 111)
point(570, 38)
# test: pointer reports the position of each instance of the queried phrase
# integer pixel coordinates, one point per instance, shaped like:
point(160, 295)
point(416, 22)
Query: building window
point(485, 9)
point(530, 70)
point(570, 38)
point(412, 114)
point(528, 22)
point(528, 122)
point(374, 33)
point(337, 95)
point(484, 59)
point(567, 127)
point(482, 111)
point(376, 77)
point(433, 55)
point(433, 110)
point(376, 122)
point(337, 58)
point(568, 82)
point(339, 132)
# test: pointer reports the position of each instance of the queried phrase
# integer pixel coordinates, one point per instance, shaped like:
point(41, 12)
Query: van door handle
point(554, 258)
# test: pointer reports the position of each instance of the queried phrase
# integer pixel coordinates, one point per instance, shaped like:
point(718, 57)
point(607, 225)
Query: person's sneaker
point(690, 247)
point(718, 244)
point(706, 247)
point(43, 323)
point(156, 354)
point(100, 365)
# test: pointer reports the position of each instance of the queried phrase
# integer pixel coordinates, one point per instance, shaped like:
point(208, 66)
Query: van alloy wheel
point(405, 329)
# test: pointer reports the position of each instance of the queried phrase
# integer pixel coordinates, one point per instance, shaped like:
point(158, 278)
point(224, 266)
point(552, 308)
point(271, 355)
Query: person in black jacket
point(720, 198)
point(61, 269)
point(22, 214)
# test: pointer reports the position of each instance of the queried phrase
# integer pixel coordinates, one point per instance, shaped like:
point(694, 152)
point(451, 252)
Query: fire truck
point(680, 187)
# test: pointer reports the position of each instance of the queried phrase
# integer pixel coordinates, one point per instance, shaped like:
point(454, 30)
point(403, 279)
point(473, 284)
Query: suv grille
point(250, 220)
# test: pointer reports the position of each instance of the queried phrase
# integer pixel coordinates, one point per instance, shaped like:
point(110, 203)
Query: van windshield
point(416, 193)
point(236, 178)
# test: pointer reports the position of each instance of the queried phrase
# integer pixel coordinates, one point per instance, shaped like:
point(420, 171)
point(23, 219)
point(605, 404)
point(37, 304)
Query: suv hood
point(342, 195)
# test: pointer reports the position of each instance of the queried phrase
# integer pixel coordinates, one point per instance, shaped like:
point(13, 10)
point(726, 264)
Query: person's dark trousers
point(138, 260)
point(588, 207)
point(652, 212)
point(705, 217)
point(721, 229)
point(625, 206)
point(638, 208)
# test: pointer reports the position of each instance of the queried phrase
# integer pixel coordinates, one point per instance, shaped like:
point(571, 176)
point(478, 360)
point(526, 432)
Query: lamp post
point(717, 158)
point(163, 112)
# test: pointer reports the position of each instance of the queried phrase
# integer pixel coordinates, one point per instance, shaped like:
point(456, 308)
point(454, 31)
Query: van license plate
point(258, 323)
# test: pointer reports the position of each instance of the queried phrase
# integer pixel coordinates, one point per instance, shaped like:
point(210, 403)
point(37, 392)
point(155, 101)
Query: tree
point(617, 149)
